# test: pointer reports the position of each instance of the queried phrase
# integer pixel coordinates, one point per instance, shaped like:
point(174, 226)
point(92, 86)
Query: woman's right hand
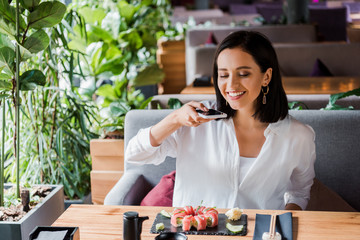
point(184, 116)
point(187, 115)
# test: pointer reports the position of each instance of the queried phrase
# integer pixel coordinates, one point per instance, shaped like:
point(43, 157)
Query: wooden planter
point(107, 166)
point(171, 58)
point(43, 214)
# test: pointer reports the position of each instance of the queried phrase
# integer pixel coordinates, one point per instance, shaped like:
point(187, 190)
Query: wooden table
point(105, 222)
point(299, 85)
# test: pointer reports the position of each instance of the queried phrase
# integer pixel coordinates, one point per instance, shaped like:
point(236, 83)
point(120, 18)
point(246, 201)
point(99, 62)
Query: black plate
point(171, 236)
point(220, 229)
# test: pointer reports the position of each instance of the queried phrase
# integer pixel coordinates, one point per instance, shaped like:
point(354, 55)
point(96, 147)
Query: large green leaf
point(107, 91)
point(7, 56)
point(9, 13)
point(5, 85)
point(7, 28)
point(116, 66)
point(29, 4)
point(119, 108)
point(132, 37)
point(37, 42)
point(92, 16)
point(334, 97)
point(151, 74)
point(5, 41)
point(47, 14)
point(101, 33)
point(30, 79)
point(126, 10)
point(24, 53)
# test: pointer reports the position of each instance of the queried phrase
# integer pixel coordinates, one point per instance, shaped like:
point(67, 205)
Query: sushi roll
point(187, 222)
point(200, 222)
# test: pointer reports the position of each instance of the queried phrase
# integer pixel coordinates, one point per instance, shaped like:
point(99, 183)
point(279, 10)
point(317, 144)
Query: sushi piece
point(189, 210)
point(178, 210)
point(176, 219)
point(210, 209)
point(199, 210)
point(200, 222)
point(212, 218)
point(187, 222)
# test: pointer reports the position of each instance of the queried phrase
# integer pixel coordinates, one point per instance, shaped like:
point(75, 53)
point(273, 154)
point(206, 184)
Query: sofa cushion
point(320, 70)
point(162, 193)
point(211, 39)
point(323, 198)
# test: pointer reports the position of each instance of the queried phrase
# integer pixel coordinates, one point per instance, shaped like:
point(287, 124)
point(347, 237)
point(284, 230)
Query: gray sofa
point(311, 101)
point(337, 165)
point(199, 56)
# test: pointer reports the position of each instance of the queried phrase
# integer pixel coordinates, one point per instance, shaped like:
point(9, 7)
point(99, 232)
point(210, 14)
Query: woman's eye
point(223, 76)
point(243, 74)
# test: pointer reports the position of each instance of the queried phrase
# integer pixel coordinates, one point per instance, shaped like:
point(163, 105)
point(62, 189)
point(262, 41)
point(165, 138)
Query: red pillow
point(211, 39)
point(162, 193)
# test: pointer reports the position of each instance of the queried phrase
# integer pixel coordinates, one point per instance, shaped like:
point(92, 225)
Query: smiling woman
point(258, 157)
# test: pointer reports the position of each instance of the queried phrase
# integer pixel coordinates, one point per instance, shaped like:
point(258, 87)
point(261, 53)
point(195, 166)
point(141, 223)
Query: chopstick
point(272, 226)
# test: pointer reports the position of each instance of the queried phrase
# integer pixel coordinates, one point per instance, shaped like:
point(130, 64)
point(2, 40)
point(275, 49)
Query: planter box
point(107, 156)
point(43, 214)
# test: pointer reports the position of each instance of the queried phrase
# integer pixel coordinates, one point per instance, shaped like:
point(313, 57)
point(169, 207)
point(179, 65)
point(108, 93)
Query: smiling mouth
point(235, 94)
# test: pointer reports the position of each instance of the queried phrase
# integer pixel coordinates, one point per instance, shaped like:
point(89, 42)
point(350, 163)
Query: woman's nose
point(233, 81)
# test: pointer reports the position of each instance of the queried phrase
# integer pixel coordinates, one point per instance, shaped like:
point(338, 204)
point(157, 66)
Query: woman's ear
point(267, 77)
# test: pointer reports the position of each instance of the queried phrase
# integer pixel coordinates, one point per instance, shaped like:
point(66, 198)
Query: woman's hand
point(187, 115)
point(184, 116)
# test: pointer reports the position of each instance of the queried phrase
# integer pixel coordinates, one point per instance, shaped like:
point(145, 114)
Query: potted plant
point(117, 45)
point(23, 36)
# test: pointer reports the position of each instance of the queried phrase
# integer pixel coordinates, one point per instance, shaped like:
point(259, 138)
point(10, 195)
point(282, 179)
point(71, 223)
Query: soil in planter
point(15, 213)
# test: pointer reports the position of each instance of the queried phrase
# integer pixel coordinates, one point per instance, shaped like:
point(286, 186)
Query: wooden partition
point(107, 166)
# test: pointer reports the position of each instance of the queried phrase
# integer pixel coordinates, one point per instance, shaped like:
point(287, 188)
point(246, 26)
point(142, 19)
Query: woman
point(258, 157)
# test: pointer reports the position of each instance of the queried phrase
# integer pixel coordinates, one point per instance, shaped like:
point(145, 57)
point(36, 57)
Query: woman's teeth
point(234, 94)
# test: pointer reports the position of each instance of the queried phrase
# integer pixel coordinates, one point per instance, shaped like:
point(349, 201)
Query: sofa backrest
point(342, 59)
point(337, 147)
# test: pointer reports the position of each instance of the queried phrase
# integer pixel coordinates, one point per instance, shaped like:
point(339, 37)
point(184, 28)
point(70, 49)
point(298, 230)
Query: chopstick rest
point(272, 235)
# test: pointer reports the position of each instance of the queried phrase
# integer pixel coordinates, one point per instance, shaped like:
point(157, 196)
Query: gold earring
point(267, 91)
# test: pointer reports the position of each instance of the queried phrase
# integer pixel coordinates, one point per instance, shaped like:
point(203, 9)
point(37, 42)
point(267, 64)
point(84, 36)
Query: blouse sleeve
point(140, 151)
point(303, 174)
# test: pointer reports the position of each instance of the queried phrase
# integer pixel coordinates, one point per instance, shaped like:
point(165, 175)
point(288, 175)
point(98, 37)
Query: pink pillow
point(162, 193)
point(211, 40)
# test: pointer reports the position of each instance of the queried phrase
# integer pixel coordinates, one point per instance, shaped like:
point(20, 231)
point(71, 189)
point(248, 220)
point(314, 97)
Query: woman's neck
point(245, 120)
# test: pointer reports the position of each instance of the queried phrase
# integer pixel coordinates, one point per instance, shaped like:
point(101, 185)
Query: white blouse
point(208, 165)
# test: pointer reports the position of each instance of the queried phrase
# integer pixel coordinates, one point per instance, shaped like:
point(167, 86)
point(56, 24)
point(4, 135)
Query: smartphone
point(212, 113)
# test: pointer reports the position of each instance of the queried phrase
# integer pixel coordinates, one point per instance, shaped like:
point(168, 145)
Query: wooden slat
point(105, 222)
point(107, 154)
point(101, 184)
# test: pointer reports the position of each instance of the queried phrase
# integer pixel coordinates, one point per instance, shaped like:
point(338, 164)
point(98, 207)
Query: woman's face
point(240, 79)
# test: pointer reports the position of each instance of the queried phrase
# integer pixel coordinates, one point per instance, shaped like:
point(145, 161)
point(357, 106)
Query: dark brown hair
point(262, 51)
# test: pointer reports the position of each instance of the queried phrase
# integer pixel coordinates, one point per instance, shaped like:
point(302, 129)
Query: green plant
point(25, 35)
point(334, 97)
point(117, 44)
point(55, 120)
